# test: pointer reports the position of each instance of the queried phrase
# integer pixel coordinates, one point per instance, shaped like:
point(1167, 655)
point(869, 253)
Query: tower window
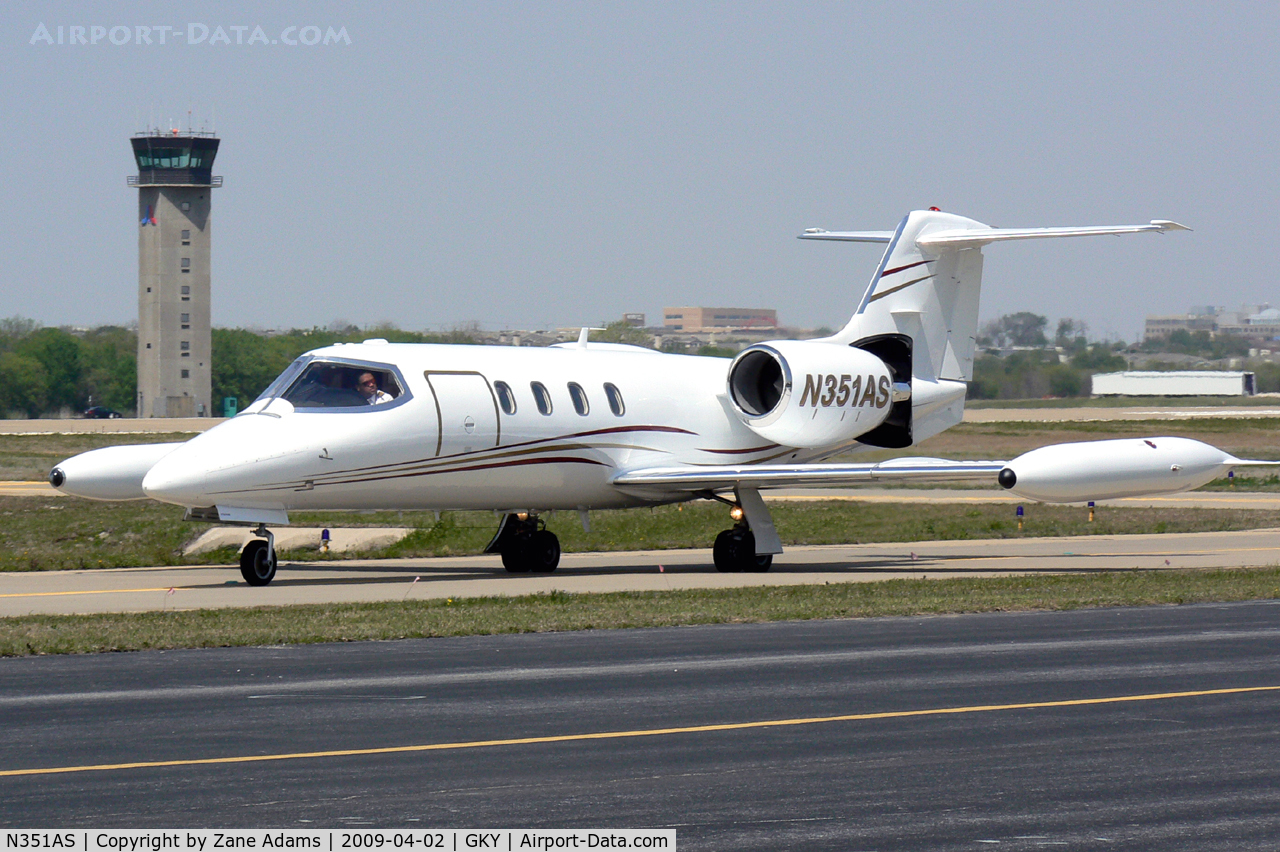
point(186, 293)
point(186, 374)
point(185, 345)
point(186, 317)
point(186, 205)
point(186, 238)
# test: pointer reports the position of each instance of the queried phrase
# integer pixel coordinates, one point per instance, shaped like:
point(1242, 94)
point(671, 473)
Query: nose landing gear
point(258, 559)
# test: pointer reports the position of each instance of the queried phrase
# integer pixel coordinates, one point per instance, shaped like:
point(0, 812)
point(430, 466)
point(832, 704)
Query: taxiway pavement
point(1150, 728)
point(199, 587)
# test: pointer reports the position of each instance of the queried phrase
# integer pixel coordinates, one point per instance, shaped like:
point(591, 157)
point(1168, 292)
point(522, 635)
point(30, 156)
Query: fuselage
point(470, 427)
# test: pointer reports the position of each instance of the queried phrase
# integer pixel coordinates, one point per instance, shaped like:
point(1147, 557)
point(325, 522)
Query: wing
point(687, 479)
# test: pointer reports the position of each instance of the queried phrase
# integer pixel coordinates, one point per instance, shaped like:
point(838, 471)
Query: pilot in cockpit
point(367, 385)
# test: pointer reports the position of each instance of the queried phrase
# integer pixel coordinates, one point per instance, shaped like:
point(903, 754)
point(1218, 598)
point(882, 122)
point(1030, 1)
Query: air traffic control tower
point(175, 191)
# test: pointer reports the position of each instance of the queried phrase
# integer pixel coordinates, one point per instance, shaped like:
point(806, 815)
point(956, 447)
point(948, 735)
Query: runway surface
point(1144, 728)
point(144, 589)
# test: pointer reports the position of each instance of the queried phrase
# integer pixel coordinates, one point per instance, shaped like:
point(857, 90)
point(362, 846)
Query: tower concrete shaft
point(175, 193)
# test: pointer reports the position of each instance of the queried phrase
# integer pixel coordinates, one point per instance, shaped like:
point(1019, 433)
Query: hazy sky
point(558, 164)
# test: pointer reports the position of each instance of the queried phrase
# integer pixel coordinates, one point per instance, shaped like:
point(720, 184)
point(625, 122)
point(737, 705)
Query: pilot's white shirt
point(379, 397)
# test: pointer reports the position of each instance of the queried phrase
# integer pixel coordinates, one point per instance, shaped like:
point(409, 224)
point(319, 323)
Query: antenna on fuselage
point(582, 335)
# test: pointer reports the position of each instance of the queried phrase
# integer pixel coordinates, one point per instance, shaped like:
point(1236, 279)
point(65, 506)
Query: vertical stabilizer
point(929, 294)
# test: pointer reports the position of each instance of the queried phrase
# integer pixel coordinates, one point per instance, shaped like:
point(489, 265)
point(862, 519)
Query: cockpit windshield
point(310, 383)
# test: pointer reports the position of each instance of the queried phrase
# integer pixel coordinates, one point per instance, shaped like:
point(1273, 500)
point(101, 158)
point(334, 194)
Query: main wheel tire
point(513, 556)
point(543, 552)
point(723, 552)
point(255, 566)
point(735, 551)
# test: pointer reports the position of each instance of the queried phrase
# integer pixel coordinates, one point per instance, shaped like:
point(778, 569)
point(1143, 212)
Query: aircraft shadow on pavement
point(351, 574)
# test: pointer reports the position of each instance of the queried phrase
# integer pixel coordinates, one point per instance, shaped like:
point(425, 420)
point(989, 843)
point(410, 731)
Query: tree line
point(50, 370)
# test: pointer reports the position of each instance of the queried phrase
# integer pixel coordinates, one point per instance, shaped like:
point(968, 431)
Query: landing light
point(736, 513)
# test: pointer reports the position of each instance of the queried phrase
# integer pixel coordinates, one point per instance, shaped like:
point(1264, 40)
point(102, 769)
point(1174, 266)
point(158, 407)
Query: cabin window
point(615, 399)
point(506, 398)
point(579, 397)
point(541, 397)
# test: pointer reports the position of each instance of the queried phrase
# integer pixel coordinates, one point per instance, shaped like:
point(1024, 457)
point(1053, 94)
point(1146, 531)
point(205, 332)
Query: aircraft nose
point(175, 479)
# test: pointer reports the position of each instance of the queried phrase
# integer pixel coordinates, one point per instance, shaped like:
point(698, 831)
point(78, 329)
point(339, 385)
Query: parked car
point(101, 412)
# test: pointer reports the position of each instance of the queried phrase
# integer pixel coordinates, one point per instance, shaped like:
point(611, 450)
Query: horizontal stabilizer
point(848, 236)
point(975, 237)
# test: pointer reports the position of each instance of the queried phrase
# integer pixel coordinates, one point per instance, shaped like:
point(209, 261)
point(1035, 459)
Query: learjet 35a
point(584, 425)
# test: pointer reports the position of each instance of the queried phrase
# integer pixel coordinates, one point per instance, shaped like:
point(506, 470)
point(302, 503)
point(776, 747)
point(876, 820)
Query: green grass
point(560, 611)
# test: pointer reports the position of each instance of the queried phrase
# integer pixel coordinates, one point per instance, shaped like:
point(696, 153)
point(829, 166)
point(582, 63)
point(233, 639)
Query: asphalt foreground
point(1149, 728)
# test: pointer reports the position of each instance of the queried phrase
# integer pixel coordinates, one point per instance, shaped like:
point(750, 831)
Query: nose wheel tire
point(257, 563)
point(735, 551)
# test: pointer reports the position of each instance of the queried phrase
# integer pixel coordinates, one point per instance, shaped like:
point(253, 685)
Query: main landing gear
point(526, 545)
point(736, 549)
point(258, 559)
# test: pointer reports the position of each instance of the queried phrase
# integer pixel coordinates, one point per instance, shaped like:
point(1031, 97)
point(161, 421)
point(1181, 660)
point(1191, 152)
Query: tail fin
point(929, 294)
point(927, 288)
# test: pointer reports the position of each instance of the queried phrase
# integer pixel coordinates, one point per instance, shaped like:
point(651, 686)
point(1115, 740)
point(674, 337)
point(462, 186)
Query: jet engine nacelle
point(801, 393)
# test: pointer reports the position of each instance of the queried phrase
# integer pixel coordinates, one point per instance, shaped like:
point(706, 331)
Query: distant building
point(1196, 319)
point(1179, 383)
point(717, 319)
point(1257, 322)
point(634, 320)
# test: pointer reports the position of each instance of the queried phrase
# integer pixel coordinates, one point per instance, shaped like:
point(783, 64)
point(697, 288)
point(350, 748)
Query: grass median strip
point(560, 611)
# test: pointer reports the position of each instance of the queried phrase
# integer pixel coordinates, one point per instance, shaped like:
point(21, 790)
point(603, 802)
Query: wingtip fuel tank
point(109, 473)
point(1107, 470)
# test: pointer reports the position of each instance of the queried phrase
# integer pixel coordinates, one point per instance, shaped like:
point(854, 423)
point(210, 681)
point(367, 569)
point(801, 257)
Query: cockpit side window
point(329, 384)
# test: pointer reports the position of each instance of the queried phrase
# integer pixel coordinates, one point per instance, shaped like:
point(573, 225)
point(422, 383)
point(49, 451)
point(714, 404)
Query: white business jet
point(584, 425)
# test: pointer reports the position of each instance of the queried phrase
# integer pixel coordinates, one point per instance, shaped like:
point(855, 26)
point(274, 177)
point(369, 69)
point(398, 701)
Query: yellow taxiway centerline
point(651, 732)
point(92, 592)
